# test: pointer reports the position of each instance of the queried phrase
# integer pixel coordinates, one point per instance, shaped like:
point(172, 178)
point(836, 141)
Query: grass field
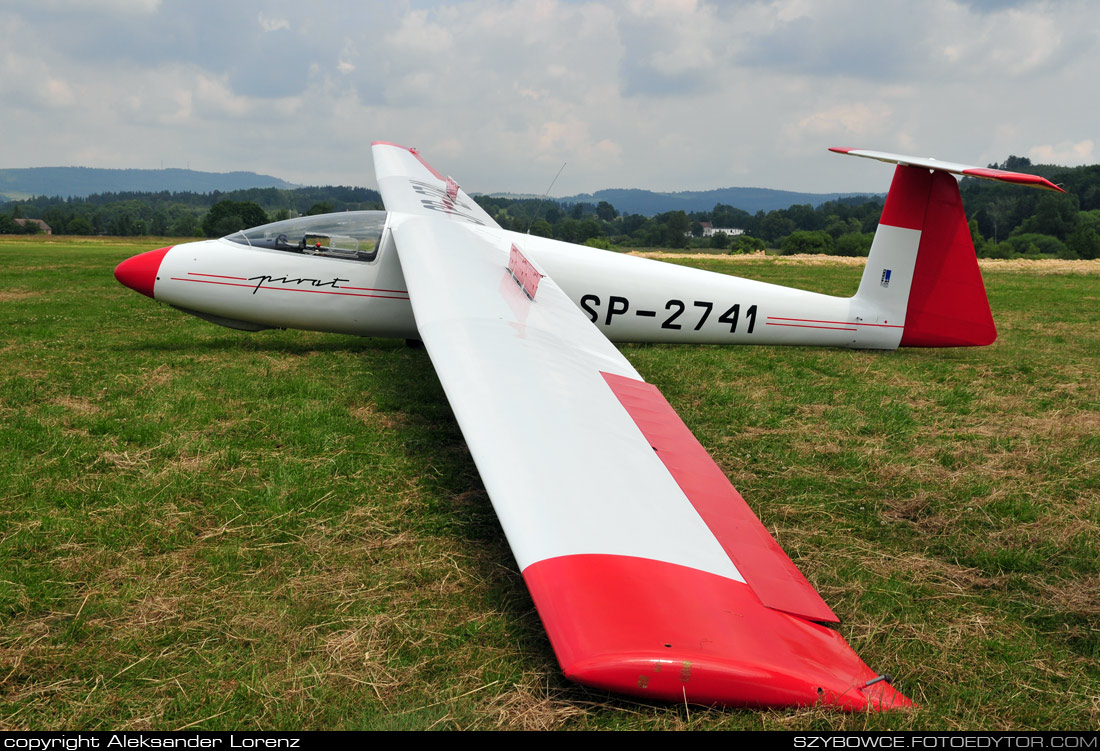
point(201, 528)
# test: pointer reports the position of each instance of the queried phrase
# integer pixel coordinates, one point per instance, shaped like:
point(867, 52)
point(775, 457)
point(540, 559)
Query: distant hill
point(17, 184)
point(650, 203)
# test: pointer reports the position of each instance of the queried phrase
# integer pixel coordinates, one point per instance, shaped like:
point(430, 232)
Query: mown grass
point(211, 529)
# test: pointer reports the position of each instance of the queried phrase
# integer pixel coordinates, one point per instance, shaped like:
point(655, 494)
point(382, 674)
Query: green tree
point(747, 244)
point(719, 241)
point(804, 217)
point(676, 229)
point(605, 211)
point(568, 230)
point(79, 225)
point(802, 241)
point(184, 225)
point(775, 226)
point(589, 228)
point(227, 217)
point(1055, 214)
point(976, 238)
point(121, 224)
point(1084, 243)
point(598, 242)
point(633, 222)
point(1013, 164)
point(1033, 243)
point(542, 228)
point(837, 226)
point(853, 244)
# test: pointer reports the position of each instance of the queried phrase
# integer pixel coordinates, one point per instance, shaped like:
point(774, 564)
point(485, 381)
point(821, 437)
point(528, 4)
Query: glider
point(651, 574)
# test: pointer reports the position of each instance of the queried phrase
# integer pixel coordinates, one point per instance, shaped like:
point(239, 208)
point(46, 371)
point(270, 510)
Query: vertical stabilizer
point(922, 269)
point(948, 306)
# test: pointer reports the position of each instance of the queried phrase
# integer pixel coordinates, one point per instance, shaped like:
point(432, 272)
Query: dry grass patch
point(11, 295)
point(368, 414)
point(947, 577)
point(128, 460)
point(1080, 596)
point(159, 376)
point(76, 404)
point(1040, 266)
point(526, 706)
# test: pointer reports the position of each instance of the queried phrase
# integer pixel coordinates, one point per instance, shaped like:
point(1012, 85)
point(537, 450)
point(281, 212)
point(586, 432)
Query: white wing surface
point(649, 572)
point(548, 435)
point(410, 185)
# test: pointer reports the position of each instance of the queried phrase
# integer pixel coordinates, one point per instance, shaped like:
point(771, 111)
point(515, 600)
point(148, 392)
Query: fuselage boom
point(630, 299)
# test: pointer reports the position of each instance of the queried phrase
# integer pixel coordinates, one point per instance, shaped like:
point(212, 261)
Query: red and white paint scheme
point(651, 574)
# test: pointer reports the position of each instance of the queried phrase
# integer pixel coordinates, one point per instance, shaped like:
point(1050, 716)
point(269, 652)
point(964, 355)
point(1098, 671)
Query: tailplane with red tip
point(922, 270)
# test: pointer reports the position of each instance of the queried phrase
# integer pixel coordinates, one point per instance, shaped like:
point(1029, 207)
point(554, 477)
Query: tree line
point(1005, 221)
point(171, 214)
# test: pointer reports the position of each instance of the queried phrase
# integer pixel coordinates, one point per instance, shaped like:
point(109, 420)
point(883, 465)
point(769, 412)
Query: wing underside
point(650, 573)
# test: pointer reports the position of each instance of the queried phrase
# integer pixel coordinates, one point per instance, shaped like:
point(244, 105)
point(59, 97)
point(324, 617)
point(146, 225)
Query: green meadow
point(203, 528)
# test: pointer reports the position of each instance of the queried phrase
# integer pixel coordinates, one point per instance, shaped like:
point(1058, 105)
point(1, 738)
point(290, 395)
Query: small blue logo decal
point(885, 278)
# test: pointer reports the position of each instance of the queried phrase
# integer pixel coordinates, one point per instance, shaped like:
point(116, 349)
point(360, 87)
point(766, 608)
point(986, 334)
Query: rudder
point(948, 305)
point(922, 264)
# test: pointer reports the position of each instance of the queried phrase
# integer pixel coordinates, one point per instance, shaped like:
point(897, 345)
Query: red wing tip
point(883, 697)
point(665, 677)
point(840, 149)
point(1013, 177)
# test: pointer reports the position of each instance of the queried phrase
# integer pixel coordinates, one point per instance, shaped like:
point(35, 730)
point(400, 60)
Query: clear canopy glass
point(353, 235)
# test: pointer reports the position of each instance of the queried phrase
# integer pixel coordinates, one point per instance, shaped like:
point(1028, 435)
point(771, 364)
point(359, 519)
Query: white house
point(710, 230)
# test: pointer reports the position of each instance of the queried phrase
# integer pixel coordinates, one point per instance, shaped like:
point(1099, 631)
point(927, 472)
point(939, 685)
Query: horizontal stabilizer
point(1016, 178)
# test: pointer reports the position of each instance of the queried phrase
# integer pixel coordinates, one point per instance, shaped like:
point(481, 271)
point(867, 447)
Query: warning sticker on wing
point(524, 272)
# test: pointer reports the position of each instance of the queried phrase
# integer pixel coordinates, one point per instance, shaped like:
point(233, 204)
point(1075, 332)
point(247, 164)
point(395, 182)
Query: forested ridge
point(181, 214)
point(1005, 220)
point(16, 183)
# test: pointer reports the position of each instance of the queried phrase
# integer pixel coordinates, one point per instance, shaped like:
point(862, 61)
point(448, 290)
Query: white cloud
point(862, 119)
point(1067, 153)
point(268, 23)
point(668, 94)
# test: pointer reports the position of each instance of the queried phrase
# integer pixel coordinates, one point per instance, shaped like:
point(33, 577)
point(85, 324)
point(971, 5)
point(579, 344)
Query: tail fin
point(922, 269)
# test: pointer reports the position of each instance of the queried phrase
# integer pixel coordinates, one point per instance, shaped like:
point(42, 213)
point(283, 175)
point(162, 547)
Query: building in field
point(42, 226)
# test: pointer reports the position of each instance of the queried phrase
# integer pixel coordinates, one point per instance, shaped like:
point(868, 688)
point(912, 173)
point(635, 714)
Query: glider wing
point(410, 185)
point(650, 573)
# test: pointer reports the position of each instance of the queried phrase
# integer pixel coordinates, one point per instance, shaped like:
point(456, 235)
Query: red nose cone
point(140, 272)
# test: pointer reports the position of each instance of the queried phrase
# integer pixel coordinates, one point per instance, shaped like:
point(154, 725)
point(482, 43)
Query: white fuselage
point(630, 299)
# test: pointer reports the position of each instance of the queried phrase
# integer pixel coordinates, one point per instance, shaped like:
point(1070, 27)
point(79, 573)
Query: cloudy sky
point(659, 94)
